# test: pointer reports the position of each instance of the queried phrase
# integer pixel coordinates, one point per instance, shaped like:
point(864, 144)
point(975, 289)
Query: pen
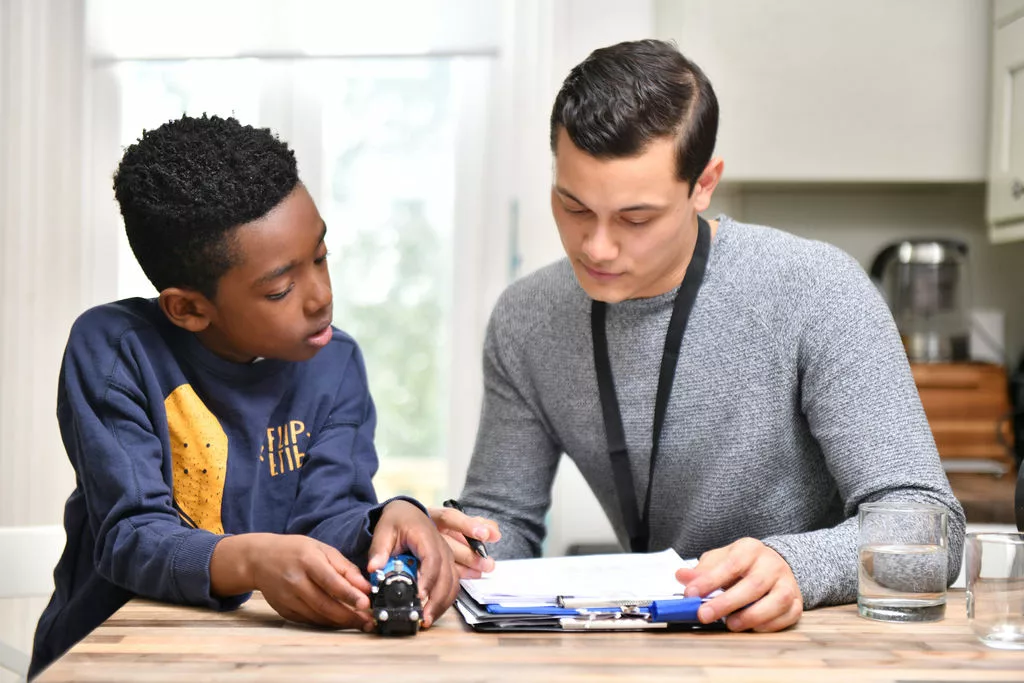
point(477, 546)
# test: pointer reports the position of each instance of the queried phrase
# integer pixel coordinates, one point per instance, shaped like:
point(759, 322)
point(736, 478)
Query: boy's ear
point(186, 308)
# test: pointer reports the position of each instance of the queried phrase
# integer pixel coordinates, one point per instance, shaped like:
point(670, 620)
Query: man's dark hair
point(620, 98)
point(185, 186)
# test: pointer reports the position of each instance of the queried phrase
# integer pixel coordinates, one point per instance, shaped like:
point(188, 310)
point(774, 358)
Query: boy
point(222, 433)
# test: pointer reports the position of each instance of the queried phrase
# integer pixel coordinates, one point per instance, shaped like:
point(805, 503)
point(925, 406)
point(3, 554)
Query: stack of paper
point(590, 592)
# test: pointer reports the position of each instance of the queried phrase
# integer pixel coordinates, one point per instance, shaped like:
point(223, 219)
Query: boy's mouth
point(322, 337)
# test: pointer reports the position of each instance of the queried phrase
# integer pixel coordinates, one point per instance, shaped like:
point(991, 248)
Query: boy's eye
point(576, 211)
point(320, 259)
point(277, 296)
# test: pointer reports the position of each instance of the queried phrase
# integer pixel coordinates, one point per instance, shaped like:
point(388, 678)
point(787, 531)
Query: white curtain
point(44, 283)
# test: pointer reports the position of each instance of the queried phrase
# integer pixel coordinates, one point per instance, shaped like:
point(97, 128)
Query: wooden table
point(147, 641)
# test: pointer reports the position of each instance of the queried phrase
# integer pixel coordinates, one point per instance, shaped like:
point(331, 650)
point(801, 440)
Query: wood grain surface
point(147, 641)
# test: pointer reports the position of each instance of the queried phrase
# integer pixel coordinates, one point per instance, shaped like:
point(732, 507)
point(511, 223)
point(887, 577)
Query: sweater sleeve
point(862, 407)
point(515, 457)
point(141, 545)
point(336, 503)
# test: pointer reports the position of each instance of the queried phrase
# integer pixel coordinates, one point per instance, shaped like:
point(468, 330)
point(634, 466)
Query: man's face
point(276, 301)
point(627, 225)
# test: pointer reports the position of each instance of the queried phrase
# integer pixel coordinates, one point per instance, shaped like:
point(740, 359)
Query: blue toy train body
point(394, 597)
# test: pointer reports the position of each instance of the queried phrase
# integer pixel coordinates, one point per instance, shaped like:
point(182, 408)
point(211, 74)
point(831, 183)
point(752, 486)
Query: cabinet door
point(840, 91)
point(1006, 161)
point(1005, 11)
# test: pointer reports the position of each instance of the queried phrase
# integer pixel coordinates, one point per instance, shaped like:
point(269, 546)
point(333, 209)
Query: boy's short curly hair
point(184, 187)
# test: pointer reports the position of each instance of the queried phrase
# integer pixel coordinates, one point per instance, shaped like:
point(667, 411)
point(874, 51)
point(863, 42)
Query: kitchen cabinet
point(1005, 11)
point(1005, 206)
point(841, 91)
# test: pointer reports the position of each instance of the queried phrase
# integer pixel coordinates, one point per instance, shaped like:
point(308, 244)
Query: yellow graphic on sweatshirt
point(199, 455)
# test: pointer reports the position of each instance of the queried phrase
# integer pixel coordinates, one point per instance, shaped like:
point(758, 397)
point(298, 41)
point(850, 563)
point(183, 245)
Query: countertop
point(147, 641)
point(986, 499)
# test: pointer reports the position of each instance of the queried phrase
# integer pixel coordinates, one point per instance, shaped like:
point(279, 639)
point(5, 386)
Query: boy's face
point(276, 301)
point(627, 225)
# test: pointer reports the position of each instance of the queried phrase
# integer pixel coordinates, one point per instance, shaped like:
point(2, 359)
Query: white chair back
point(27, 558)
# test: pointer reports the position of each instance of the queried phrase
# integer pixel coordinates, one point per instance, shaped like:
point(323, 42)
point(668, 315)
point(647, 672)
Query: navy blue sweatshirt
point(173, 446)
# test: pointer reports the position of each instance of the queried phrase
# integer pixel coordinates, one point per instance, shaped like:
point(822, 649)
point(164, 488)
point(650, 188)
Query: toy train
point(394, 599)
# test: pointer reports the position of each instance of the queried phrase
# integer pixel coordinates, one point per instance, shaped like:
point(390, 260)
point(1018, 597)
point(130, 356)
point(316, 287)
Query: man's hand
point(303, 579)
point(760, 592)
point(455, 526)
point(403, 526)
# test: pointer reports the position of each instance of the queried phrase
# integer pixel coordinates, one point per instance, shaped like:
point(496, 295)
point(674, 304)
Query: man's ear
point(706, 184)
point(186, 308)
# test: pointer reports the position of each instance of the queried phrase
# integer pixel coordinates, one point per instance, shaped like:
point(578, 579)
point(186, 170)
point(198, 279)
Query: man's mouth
point(598, 274)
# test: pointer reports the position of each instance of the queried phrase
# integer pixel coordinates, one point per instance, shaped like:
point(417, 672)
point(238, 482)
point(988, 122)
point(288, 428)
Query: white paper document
point(536, 582)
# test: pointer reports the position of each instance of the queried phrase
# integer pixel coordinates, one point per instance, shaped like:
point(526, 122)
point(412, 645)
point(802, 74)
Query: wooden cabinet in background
point(968, 409)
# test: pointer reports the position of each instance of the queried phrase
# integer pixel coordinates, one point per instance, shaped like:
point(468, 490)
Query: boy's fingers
point(325, 610)
point(382, 546)
point(348, 571)
point(338, 587)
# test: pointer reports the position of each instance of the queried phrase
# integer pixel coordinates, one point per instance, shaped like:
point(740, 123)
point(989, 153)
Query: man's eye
point(576, 211)
point(277, 296)
point(321, 259)
point(636, 221)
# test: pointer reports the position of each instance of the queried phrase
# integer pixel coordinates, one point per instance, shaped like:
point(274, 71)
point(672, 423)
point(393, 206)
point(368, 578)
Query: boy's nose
point(320, 296)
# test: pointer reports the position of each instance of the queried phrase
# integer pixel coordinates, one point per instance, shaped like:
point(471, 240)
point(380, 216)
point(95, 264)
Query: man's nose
point(599, 246)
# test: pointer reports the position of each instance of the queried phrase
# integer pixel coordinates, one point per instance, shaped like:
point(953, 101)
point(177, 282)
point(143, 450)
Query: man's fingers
point(480, 528)
point(787, 619)
point(721, 568)
point(743, 593)
point(465, 557)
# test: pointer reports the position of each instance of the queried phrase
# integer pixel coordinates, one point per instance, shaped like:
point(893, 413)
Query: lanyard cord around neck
point(637, 523)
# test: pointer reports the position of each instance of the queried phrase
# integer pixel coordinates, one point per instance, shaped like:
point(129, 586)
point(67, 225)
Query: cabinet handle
point(1017, 188)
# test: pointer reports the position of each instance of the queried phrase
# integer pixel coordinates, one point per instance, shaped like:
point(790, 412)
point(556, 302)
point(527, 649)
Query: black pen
point(477, 546)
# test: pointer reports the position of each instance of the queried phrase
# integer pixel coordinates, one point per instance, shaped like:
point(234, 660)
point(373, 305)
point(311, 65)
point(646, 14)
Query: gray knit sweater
point(793, 403)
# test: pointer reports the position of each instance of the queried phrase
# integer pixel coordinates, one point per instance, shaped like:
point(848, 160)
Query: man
point(790, 402)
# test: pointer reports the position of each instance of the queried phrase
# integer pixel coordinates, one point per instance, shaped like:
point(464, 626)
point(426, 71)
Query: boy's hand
point(303, 579)
point(455, 526)
point(760, 592)
point(403, 526)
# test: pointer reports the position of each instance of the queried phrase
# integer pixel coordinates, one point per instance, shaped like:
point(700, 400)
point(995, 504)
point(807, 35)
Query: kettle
point(925, 283)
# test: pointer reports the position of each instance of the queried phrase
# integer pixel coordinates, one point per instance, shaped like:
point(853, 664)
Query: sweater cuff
point(825, 572)
point(375, 512)
point(191, 572)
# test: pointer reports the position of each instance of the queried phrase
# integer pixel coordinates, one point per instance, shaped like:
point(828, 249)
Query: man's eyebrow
point(565, 193)
point(634, 207)
point(282, 270)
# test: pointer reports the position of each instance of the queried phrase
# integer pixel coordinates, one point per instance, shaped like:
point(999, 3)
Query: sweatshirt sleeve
point(863, 409)
point(515, 458)
point(336, 502)
point(105, 418)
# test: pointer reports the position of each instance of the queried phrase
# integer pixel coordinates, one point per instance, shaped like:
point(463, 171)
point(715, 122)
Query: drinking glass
point(995, 588)
point(903, 561)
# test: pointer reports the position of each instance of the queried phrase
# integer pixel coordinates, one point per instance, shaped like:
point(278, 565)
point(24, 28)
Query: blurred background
point(421, 130)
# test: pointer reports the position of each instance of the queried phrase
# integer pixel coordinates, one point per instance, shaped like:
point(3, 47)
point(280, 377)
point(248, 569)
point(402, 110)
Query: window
point(381, 142)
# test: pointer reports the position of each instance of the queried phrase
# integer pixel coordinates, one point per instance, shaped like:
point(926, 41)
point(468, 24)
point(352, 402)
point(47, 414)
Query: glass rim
point(1011, 537)
point(902, 506)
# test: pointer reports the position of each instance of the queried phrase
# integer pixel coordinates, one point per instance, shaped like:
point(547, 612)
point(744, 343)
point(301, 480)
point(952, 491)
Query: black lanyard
point(637, 523)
